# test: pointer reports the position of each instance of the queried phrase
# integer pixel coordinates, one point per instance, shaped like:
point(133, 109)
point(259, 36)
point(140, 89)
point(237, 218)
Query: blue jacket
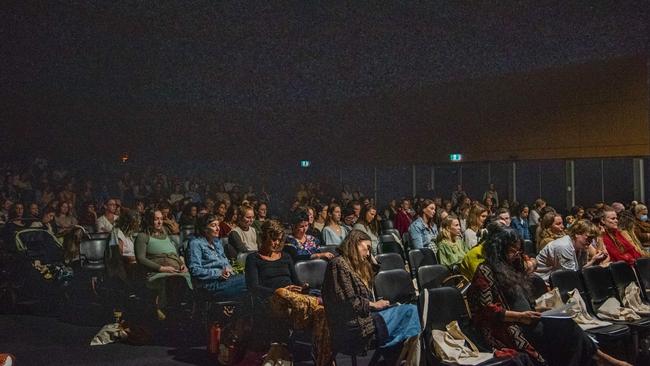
point(521, 226)
point(206, 262)
point(421, 235)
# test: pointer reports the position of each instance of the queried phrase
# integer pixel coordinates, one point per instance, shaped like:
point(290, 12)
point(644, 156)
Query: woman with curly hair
point(501, 305)
point(272, 279)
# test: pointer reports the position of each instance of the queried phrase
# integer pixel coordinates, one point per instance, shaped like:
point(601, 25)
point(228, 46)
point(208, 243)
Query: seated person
point(451, 247)
point(520, 222)
point(551, 227)
point(124, 232)
point(334, 232)
point(619, 248)
point(353, 314)
point(570, 251)
point(155, 251)
point(104, 223)
point(423, 231)
point(14, 224)
point(47, 221)
point(229, 221)
point(189, 215)
point(69, 231)
point(271, 277)
point(368, 224)
point(307, 246)
point(208, 263)
point(500, 302)
point(88, 216)
point(243, 237)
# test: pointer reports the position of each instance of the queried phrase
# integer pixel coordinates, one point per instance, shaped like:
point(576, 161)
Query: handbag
point(411, 354)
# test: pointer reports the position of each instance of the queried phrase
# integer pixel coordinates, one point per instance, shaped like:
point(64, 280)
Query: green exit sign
point(455, 157)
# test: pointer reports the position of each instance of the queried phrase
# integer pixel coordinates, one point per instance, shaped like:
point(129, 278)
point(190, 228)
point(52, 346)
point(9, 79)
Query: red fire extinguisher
point(215, 338)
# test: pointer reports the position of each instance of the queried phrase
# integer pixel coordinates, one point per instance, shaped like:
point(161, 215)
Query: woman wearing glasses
point(570, 251)
point(501, 302)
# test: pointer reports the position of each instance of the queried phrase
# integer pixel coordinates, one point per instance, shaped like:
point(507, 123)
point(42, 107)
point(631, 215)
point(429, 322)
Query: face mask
point(644, 218)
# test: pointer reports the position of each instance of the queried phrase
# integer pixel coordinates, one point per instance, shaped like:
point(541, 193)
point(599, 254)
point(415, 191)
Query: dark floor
point(40, 340)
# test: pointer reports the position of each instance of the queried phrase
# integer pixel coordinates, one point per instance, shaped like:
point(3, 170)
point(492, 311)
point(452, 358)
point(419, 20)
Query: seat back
point(89, 229)
point(39, 244)
point(567, 280)
point(406, 240)
point(92, 252)
point(389, 261)
point(394, 285)
point(391, 247)
point(421, 257)
point(599, 284)
point(329, 249)
point(643, 271)
point(387, 224)
point(102, 235)
point(622, 275)
point(186, 232)
point(391, 232)
point(431, 276)
point(312, 272)
point(446, 304)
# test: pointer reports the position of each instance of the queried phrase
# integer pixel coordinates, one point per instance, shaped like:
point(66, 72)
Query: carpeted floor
point(39, 340)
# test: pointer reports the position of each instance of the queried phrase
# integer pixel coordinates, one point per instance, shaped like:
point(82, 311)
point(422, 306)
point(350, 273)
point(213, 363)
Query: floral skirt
point(304, 311)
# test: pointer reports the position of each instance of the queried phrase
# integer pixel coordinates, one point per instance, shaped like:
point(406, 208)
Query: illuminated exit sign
point(455, 157)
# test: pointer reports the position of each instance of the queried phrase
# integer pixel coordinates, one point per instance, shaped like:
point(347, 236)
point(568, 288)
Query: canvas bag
point(453, 346)
point(633, 301)
point(550, 300)
point(583, 318)
point(611, 309)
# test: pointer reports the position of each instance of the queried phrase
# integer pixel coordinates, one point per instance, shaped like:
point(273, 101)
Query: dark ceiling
point(232, 79)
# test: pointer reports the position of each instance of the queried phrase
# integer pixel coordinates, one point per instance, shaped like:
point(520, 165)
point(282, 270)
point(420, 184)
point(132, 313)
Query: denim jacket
point(206, 261)
point(423, 236)
point(521, 226)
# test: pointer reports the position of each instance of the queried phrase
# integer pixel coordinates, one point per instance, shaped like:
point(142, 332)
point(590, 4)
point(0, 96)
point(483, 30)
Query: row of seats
point(596, 284)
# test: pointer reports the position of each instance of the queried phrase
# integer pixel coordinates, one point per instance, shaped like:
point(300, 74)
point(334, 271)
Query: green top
point(146, 244)
point(451, 253)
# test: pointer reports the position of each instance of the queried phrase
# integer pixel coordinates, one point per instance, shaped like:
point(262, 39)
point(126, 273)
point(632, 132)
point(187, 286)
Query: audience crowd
point(147, 215)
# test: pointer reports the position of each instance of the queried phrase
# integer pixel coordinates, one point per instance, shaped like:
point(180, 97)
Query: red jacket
point(402, 221)
point(618, 248)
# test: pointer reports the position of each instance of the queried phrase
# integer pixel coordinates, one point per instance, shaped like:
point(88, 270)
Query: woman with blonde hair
point(475, 224)
point(551, 227)
point(451, 247)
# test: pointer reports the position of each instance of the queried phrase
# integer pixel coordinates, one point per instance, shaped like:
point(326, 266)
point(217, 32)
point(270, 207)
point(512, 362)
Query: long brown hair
point(474, 215)
point(359, 265)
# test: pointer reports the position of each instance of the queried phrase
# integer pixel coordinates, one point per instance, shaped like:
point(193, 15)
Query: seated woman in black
point(271, 277)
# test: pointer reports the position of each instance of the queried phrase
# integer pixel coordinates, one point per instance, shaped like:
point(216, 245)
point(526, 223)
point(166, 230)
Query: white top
point(559, 254)
point(128, 248)
point(103, 225)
